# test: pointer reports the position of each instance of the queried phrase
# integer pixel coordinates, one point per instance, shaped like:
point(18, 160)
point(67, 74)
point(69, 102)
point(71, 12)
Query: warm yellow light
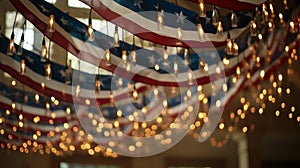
point(202, 9)
point(48, 71)
point(50, 23)
point(253, 28)
point(220, 29)
point(200, 31)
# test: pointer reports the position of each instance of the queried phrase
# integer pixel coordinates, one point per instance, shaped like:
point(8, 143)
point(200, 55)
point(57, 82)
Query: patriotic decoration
point(63, 109)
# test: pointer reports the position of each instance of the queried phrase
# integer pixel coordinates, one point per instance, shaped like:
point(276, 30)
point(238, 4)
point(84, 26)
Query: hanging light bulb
point(13, 104)
point(133, 54)
point(160, 17)
point(200, 31)
point(175, 67)
point(215, 16)
point(90, 30)
point(272, 10)
point(124, 55)
point(226, 61)
point(229, 45)
point(51, 23)
point(135, 94)
point(43, 50)
point(220, 29)
point(116, 37)
point(22, 65)
point(285, 5)
point(21, 44)
point(68, 72)
point(190, 77)
point(97, 84)
point(280, 15)
point(235, 49)
point(202, 9)
point(253, 28)
point(186, 56)
point(271, 26)
point(107, 57)
point(11, 46)
point(37, 98)
point(292, 27)
point(165, 56)
point(48, 71)
point(238, 71)
point(234, 20)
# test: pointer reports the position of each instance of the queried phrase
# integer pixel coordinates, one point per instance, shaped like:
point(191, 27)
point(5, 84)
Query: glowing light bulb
point(133, 55)
point(271, 26)
point(116, 37)
point(202, 9)
point(226, 61)
point(215, 16)
point(165, 56)
point(292, 27)
point(235, 48)
point(51, 23)
point(107, 58)
point(280, 15)
point(90, 32)
point(48, 71)
point(253, 28)
point(175, 67)
point(219, 29)
point(43, 50)
point(135, 93)
point(186, 56)
point(190, 77)
point(234, 20)
point(11, 46)
point(160, 17)
point(13, 105)
point(97, 84)
point(111, 98)
point(200, 31)
point(229, 47)
point(124, 55)
point(37, 98)
point(22, 66)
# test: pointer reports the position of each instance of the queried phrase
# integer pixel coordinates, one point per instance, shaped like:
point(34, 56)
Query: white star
point(152, 60)
point(138, 3)
point(29, 59)
point(44, 9)
point(64, 21)
point(213, 55)
point(180, 18)
point(207, 20)
point(62, 73)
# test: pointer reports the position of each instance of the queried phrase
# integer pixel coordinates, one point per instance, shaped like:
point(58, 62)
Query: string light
point(253, 28)
point(200, 31)
point(11, 46)
point(22, 65)
point(116, 37)
point(21, 44)
point(90, 30)
point(48, 71)
point(51, 23)
point(234, 20)
point(43, 50)
point(135, 93)
point(165, 56)
point(175, 67)
point(219, 29)
point(160, 17)
point(107, 58)
point(215, 16)
point(133, 52)
point(186, 56)
point(124, 55)
point(202, 8)
point(97, 84)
